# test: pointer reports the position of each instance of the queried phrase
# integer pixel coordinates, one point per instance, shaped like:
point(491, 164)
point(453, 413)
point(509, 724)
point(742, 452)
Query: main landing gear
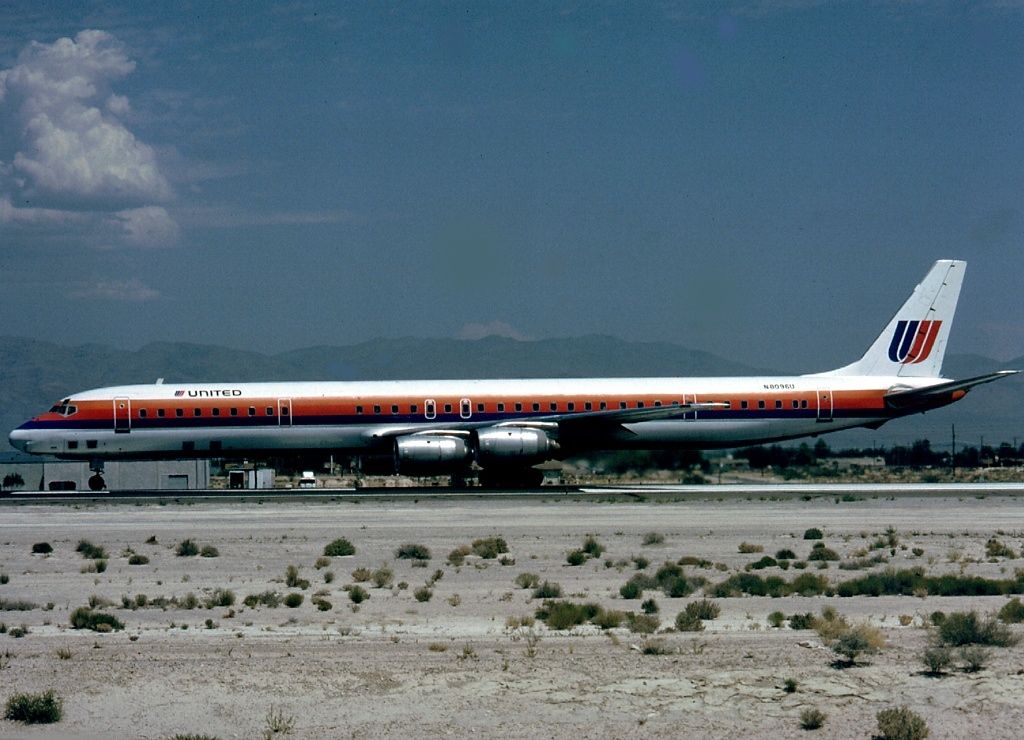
point(96, 482)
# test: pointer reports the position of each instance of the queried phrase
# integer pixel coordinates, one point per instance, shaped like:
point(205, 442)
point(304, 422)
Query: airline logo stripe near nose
point(912, 341)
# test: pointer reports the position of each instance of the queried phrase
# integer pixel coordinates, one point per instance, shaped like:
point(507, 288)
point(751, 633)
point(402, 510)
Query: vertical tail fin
point(914, 342)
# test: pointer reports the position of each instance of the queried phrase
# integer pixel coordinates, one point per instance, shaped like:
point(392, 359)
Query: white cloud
point(149, 226)
point(70, 150)
point(491, 329)
point(130, 291)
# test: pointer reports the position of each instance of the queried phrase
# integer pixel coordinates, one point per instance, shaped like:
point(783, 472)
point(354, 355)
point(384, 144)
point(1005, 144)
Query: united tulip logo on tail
point(912, 341)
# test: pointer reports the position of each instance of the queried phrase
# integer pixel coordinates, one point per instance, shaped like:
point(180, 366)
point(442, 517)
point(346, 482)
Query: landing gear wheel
point(96, 483)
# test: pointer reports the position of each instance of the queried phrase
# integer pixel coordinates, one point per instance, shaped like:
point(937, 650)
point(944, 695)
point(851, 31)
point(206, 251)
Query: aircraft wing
point(572, 422)
point(899, 397)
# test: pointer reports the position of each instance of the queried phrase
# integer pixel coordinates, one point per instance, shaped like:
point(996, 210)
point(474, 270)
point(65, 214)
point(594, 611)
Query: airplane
point(506, 427)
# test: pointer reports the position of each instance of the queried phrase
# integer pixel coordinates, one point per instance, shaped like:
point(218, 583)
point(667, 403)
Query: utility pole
point(952, 457)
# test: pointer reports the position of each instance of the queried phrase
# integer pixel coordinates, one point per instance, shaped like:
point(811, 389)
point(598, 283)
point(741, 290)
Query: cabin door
point(824, 405)
point(284, 412)
point(122, 415)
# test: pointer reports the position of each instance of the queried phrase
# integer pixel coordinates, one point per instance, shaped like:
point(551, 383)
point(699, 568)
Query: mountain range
point(34, 374)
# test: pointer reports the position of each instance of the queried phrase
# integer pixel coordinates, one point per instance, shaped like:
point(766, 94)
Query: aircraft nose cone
point(20, 439)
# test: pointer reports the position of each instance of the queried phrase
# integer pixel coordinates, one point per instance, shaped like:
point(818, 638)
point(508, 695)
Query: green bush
point(563, 615)
point(35, 709)
point(527, 580)
point(220, 597)
point(703, 609)
point(776, 619)
point(358, 594)
point(187, 548)
point(85, 618)
point(748, 548)
point(576, 557)
point(653, 538)
point(270, 599)
point(649, 606)
point(820, 553)
point(643, 624)
point(138, 560)
point(785, 554)
point(851, 644)
point(687, 621)
point(1012, 611)
point(489, 548)
point(42, 548)
point(910, 581)
point(592, 547)
point(423, 594)
point(974, 657)
point(803, 621)
point(412, 551)
point(293, 600)
point(936, 659)
point(90, 551)
point(339, 548)
point(996, 549)
point(458, 556)
point(765, 562)
point(209, 551)
point(901, 724)
point(321, 603)
point(813, 534)
point(812, 718)
point(382, 577)
point(608, 619)
point(547, 590)
point(292, 580)
point(966, 628)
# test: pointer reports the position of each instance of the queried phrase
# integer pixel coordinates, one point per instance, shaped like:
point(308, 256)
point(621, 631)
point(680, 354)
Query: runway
point(644, 490)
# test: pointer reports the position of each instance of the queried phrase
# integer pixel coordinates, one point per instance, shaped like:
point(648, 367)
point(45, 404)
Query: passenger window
point(588, 406)
point(760, 404)
point(376, 408)
point(447, 408)
point(72, 444)
point(394, 408)
point(796, 404)
point(197, 412)
point(622, 404)
point(270, 410)
point(553, 406)
point(430, 409)
point(803, 404)
point(234, 411)
point(160, 413)
point(639, 404)
point(603, 406)
point(413, 409)
point(501, 408)
point(252, 411)
point(359, 410)
point(657, 403)
point(743, 404)
point(778, 404)
point(179, 412)
point(536, 407)
point(480, 408)
point(142, 413)
point(519, 405)
point(215, 412)
point(571, 406)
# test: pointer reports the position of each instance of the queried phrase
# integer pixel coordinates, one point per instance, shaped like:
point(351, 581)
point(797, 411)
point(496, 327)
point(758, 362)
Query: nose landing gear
point(96, 482)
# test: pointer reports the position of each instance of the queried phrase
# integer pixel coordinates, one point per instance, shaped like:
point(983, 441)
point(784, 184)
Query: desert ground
point(461, 664)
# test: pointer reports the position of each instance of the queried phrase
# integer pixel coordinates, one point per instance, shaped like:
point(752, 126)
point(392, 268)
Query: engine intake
point(431, 454)
point(513, 446)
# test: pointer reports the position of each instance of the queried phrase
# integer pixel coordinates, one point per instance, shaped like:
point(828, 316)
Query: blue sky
point(766, 181)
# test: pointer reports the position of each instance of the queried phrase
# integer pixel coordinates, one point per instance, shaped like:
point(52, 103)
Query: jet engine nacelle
point(513, 446)
point(431, 454)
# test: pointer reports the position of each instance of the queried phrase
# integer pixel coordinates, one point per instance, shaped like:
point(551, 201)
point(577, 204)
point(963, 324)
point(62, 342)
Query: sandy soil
point(451, 667)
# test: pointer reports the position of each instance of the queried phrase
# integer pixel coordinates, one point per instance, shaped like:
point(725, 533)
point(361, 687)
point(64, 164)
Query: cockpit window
point(64, 408)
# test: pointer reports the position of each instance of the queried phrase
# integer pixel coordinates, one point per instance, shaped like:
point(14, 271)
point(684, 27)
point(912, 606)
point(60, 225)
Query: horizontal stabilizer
point(900, 397)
